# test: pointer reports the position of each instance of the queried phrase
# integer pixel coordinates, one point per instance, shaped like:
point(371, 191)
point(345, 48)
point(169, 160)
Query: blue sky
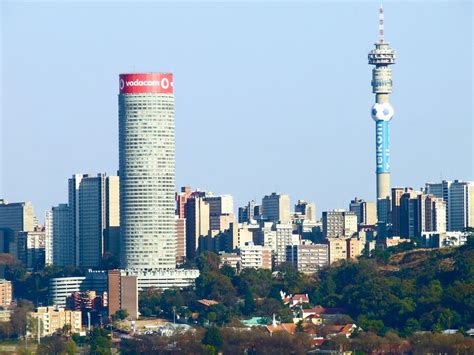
point(269, 96)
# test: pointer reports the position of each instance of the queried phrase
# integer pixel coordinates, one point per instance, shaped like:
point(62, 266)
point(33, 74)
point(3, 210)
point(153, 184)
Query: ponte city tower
point(382, 112)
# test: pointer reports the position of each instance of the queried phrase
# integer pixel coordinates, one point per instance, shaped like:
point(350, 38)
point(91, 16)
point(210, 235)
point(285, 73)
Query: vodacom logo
point(122, 84)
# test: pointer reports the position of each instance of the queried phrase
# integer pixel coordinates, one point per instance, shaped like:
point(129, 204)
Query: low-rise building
point(55, 318)
point(337, 249)
point(231, 259)
point(6, 293)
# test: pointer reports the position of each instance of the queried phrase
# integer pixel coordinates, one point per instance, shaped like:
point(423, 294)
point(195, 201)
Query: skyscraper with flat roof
point(147, 171)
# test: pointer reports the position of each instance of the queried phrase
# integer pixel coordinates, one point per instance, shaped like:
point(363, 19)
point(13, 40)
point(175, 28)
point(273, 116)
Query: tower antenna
point(381, 18)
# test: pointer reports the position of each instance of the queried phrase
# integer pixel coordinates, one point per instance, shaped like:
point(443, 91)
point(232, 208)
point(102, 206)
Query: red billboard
point(161, 83)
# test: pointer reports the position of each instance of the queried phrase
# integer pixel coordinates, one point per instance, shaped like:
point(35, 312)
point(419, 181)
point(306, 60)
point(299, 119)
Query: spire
point(381, 34)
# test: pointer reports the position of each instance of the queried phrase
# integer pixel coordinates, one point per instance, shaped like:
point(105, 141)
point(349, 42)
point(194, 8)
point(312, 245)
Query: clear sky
point(269, 96)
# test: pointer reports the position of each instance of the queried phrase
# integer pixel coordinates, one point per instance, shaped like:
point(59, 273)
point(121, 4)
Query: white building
point(339, 224)
point(147, 171)
point(461, 205)
point(255, 256)
point(283, 238)
point(48, 237)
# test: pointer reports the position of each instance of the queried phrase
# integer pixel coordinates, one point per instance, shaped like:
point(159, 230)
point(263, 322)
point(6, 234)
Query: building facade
point(339, 224)
point(308, 258)
point(276, 208)
point(147, 171)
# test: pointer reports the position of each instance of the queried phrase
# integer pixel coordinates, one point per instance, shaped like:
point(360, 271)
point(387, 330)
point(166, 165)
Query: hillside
point(420, 289)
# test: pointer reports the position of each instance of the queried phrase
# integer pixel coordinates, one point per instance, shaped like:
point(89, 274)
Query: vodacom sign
point(146, 83)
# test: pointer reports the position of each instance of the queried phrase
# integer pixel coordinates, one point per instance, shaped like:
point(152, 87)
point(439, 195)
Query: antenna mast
point(381, 34)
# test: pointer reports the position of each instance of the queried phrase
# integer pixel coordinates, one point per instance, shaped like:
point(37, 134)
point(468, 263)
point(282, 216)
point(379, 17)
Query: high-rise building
point(339, 224)
point(94, 206)
point(365, 211)
point(432, 214)
point(180, 240)
point(14, 218)
point(181, 199)
point(440, 190)
point(221, 212)
point(48, 237)
point(197, 223)
point(31, 248)
point(409, 216)
point(382, 112)
point(397, 193)
point(247, 213)
point(283, 238)
point(461, 205)
point(306, 209)
point(63, 236)
point(147, 171)
point(276, 208)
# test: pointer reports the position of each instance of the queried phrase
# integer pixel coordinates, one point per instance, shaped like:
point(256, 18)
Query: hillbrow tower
point(147, 171)
point(382, 112)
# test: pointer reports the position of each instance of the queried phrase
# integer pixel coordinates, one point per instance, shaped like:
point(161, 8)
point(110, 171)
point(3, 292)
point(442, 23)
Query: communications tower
point(382, 112)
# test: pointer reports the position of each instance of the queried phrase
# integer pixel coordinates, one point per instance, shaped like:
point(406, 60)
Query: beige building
point(55, 318)
point(355, 247)
point(337, 249)
point(255, 256)
point(366, 212)
point(6, 293)
point(339, 224)
point(197, 223)
point(283, 238)
point(307, 210)
point(32, 248)
point(276, 208)
point(231, 259)
point(432, 214)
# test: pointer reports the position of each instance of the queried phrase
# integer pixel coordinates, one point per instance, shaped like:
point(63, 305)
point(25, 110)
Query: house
point(207, 303)
point(319, 314)
point(293, 300)
point(334, 330)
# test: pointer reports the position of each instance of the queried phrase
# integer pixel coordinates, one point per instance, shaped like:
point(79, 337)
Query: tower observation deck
point(382, 56)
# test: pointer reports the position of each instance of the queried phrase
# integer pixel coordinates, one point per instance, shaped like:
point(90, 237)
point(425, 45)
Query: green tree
point(52, 345)
point(121, 314)
point(249, 304)
point(213, 337)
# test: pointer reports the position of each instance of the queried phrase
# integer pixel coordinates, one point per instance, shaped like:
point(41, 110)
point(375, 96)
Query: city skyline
point(307, 155)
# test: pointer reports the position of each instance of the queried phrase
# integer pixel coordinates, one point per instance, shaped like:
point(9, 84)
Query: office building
point(339, 224)
point(432, 214)
point(94, 207)
point(308, 258)
point(14, 218)
point(461, 205)
point(197, 224)
point(55, 318)
point(382, 112)
point(221, 212)
point(306, 209)
point(6, 293)
point(63, 236)
point(247, 213)
point(181, 199)
point(147, 171)
point(409, 217)
point(283, 237)
point(48, 237)
point(365, 211)
point(440, 190)
point(397, 193)
point(231, 259)
point(180, 240)
point(32, 248)
point(276, 208)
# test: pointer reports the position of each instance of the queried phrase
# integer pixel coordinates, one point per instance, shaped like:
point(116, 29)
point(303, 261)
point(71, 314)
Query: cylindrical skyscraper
point(147, 171)
point(382, 112)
